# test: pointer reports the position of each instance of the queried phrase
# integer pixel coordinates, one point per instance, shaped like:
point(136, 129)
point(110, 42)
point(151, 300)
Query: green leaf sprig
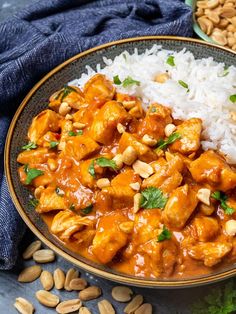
point(31, 174)
point(87, 210)
point(162, 144)
point(232, 98)
point(65, 92)
point(152, 198)
point(221, 300)
point(222, 198)
point(102, 162)
point(34, 202)
point(29, 146)
point(128, 81)
point(164, 235)
point(53, 144)
point(77, 133)
point(184, 85)
point(171, 61)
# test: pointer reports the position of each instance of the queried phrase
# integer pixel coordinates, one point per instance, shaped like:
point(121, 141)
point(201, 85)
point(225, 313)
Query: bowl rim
point(120, 278)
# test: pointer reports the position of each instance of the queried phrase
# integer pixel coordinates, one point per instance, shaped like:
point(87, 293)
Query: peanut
point(23, 306)
point(33, 247)
point(90, 293)
point(59, 278)
point(121, 293)
point(30, 273)
point(47, 298)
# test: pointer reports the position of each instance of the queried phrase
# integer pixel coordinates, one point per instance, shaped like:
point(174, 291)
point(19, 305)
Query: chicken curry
point(129, 188)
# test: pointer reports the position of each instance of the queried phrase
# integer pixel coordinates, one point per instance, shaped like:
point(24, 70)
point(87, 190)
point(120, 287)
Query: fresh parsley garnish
point(183, 84)
point(87, 210)
point(91, 169)
point(59, 192)
point(34, 202)
point(154, 109)
point(102, 162)
point(153, 198)
point(225, 72)
point(221, 300)
point(232, 98)
point(128, 81)
point(53, 144)
point(31, 173)
point(78, 132)
point(65, 92)
point(171, 61)
point(162, 144)
point(164, 235)
point(116, 80)
point(29, 146)
point(105, 162)
point(222, 198)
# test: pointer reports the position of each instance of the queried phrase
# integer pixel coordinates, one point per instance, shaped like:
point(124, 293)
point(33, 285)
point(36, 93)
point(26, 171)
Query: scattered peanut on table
point(71, 281)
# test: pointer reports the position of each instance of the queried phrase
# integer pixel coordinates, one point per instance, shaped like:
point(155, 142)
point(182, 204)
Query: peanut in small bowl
point(215, 21)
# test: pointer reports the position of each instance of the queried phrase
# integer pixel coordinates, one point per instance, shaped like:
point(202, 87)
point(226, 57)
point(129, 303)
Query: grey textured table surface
point(163, 301)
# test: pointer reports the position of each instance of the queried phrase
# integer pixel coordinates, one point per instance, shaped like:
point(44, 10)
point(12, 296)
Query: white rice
point(207, 99)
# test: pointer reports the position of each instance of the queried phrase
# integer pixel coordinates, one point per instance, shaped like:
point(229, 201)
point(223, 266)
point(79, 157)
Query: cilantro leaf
point(31, 174)
point(232, 98)
point(171, 139)
point(91, 169)
point(117, 80)
point(53, 144)
point(221, 300)
point(164, 235)
point(34, 202)
point(67, 90)
point(87, 210)
point(183, 84)
point(105, 162)
point(222, 198)
point(29, 146)
point(128, 81)
point(72, 133)
point(225, 72)
point(171, 61)
point(153, 198)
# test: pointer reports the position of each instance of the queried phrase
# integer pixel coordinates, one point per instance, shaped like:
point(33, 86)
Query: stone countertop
point(163, 301)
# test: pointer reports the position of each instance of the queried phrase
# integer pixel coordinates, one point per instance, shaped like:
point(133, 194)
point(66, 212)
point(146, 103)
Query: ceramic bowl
point(36, 101)
point(196, 27)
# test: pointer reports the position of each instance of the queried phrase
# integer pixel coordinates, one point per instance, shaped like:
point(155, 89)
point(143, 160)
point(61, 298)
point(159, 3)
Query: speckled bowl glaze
point(35, 102)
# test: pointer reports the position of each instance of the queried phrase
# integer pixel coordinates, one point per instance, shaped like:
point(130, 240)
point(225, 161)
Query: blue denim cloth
point(48, 32)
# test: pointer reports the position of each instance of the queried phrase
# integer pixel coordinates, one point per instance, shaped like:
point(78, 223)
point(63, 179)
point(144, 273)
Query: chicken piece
point(36, 156)
point(48, 138)
point(155, 121)
point(98, 90)
point(206, 228)
point(211, 168)
point(80, 147)
point(49, 200)
point(66, 127)
point(84, 176)
point(109, 239)
point(190, 132)
point(144, 152)
point(67, 223)
point(45, 121)
point(132, 104)
point(180, 206)
point(120, 193)
point(167, 176)
point(210, 253)
point(160, 257)
point(72, 95)
point(104, 126)
point(43, 179)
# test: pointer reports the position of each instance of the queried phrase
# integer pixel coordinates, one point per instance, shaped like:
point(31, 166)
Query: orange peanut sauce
point(83, 137)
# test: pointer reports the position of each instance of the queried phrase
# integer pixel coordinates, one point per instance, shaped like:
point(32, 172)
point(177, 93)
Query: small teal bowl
point(196, 28)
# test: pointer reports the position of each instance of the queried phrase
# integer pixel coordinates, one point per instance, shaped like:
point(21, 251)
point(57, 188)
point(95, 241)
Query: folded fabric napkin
point(50, 31)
